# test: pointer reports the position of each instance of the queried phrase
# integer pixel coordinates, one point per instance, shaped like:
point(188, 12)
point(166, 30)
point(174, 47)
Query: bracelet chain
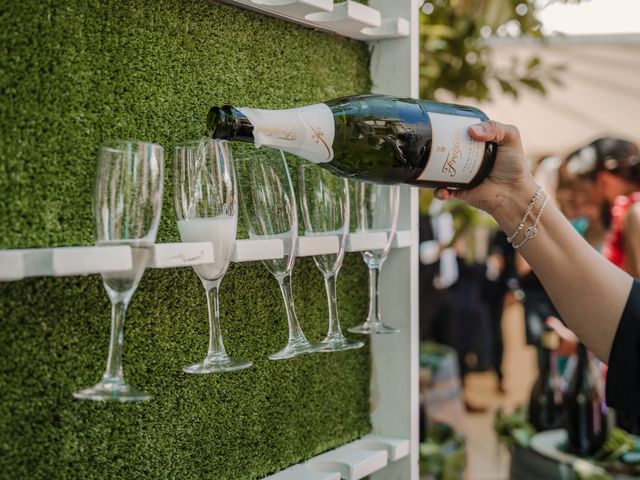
point(520, 226)
point(532, 231)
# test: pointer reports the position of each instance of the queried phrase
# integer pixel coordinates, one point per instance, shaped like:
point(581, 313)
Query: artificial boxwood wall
point(74, 74)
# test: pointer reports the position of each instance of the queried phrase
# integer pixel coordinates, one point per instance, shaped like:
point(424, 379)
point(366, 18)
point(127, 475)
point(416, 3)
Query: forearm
point(589, 292)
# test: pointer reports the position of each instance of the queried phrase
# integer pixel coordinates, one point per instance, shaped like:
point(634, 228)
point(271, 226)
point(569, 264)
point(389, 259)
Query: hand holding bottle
point(508, 185)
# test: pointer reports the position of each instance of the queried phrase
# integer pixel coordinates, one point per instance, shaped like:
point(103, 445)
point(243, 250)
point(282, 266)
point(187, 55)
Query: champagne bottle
point(587, 416)
point(546, 405)
point(373, 138)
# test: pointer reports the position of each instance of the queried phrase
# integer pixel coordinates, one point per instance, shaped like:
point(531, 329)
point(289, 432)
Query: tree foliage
point(456, 54)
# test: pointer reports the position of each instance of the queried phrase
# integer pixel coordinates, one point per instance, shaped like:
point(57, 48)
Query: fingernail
point(479, 128)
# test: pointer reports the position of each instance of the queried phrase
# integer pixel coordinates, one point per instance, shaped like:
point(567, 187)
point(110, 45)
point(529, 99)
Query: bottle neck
point(544, 361)
point(228, 123)
point(307, 132)
point(583, 357)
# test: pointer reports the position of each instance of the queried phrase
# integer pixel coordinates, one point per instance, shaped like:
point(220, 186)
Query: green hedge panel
point(75, 74)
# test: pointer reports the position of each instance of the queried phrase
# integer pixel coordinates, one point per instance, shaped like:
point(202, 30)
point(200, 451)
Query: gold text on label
point(449, 165)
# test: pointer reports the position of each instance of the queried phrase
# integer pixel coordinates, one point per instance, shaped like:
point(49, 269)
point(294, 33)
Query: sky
point(591, 17)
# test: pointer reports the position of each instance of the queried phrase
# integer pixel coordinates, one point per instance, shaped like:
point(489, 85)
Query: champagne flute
point(207, 210)
point(269, 207)
point(127, 205)
point(324, 200)
point(377, 210)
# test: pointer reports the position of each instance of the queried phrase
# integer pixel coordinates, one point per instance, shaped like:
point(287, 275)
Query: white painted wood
point(168, 255)
point(317, 245)
point(396, 448)
point(303, 472)
point(350, 461)
point(252, 250)
point(394, 376)
point(402, 239)
point(11, 265)
point(349, 19)
point(390, 28)
point(359, 242)
point(296, 9)
point(66, 261)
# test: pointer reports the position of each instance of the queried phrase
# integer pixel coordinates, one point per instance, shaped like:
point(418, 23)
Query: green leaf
point(534, 84)
point(533, 63)
point(508, 88)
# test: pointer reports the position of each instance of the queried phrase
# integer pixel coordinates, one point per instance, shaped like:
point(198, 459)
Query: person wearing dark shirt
point(500, 274)
point(598, 301)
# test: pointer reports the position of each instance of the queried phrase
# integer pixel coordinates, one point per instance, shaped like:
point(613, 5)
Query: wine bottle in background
point(546, 405)
point(586, 410)
point(373, 138)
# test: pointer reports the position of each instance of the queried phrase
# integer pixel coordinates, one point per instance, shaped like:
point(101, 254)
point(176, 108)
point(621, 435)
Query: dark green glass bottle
point(373, 138)
point(546, 404)
point(587, 413)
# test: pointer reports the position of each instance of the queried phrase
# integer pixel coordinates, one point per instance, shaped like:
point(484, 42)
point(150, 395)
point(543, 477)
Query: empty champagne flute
point(324, 201)
point(377, 208)
point(207, 209)
point(269, 207)
point(126, 205)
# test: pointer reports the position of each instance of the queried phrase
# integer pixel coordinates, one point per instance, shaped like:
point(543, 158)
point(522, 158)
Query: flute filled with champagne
point(373, 138)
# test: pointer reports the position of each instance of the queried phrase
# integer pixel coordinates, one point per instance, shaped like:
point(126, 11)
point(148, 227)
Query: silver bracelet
point(532, 231)
point(520, 226)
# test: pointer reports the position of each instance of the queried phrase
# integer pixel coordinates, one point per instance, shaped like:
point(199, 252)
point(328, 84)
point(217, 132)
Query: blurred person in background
point(607, 173)
point(438, 271)
point(599, 301)
point(499, 280)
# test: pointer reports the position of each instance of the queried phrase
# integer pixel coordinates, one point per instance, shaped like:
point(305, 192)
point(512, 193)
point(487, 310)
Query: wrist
point(511, 207)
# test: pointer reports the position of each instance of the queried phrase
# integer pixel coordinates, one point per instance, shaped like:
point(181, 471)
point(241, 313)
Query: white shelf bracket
point(348, 19)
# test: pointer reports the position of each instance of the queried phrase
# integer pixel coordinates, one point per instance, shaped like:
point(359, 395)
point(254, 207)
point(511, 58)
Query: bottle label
point(455, 156)
point(306, 132)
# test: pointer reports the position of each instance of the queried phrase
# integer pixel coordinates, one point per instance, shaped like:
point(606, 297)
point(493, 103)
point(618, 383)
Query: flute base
point(338, 343)
point(217, 364)
point(112, 391)
point(373, 328)
point(295, 348)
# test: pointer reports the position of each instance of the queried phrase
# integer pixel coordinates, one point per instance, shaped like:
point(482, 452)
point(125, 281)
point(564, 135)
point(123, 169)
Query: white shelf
point(403, 239)
point(69, 261)
point(359, 242)
point(318, 245)
point(302, 472)
point(171, 255)
point(348, 19)
point(352, 461)
point(11, 265)
point(63, 261)
point(252, 250)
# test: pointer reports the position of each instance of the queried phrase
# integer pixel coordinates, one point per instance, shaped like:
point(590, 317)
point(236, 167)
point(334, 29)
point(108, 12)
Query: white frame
point(394, 379)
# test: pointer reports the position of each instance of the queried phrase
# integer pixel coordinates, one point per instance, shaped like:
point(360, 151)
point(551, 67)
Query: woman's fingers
point(443, 194)
point(492, 131)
